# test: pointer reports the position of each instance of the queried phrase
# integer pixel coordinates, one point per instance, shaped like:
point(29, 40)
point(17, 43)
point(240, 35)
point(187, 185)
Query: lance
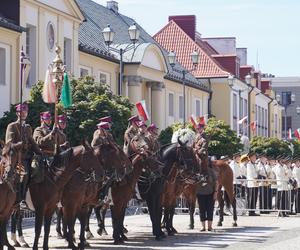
point(57, 72)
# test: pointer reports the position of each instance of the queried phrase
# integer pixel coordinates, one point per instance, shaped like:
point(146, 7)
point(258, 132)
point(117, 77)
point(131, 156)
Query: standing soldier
point(200, 146)
point(234, 165)
point(20, 131)
point(44, 136)
point(252, 187)
point(130, 132)
point(296, 175)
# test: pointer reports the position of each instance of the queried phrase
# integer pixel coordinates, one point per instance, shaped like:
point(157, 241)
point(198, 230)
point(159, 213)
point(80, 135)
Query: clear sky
point(270, 29)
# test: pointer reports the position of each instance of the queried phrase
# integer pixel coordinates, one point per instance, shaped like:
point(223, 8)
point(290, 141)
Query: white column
point(158, 105)
point(134, 89)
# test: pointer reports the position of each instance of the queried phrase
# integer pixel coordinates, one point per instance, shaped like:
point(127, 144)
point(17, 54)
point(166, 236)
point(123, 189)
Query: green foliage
point(223, 141)
point(270, 146)
point(91, 101)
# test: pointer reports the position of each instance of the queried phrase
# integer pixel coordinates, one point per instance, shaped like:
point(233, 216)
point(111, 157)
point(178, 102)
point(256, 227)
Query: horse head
point(139, 145)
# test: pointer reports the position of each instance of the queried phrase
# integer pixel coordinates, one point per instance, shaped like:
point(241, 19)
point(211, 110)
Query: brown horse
point(225, 179)
point(10, 179)
point(47, 194)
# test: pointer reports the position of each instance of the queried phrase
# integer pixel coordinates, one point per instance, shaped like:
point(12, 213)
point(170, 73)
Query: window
point(171, 104)
point(241, 108)
point(245, 107)
point(263, 121)
point(181, 106)
point(234, 105)
point(84, 72)
point(288, 123)
point(104, 77)
point(2, 66)
point(198, 108)
point(266, 122)
point(276, 123)
point(31, 52)
point(286, 98)
point(68, 53)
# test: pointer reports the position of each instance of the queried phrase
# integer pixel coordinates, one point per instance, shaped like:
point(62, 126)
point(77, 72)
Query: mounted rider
point(130, 132)
point(153, 137)
point(61, 136)
point(103, 135)
point(200, 146)
point(20, 131)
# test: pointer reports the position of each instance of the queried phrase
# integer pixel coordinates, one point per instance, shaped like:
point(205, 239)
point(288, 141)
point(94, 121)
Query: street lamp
point(109, 34)
point(195, 60)
point(287, 100)
point(231, 80)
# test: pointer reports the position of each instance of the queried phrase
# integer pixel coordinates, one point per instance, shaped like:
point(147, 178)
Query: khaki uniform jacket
point(129, 134)
point(46, 141)
point(101, 136)
point(13, 135)
point(200, 145)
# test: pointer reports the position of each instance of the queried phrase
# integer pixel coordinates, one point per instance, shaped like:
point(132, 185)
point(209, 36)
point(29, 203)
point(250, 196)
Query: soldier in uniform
point(20, 131)
point(252, 187)
point(234, 165)
point(102, 135)
point(200, 146)
point(153, 136)
point(44, 136)
point(130, 132)
point(61, 136)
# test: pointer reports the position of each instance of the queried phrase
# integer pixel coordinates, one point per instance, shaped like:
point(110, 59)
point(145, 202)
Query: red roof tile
point(172, 37)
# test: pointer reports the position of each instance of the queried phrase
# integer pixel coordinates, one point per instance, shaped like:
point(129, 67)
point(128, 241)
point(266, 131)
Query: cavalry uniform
point(200, 146)
point(130, 132)
point(252, 186)
point(102, 136)
point(45, 139)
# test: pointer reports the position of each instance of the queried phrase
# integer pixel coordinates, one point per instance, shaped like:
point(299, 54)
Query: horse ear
point(180, 142)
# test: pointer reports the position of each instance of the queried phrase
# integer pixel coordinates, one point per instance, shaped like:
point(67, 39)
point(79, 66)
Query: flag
point(192, 118)
point(253, 126)
point(297, 133)
point(290, 134)
point(25, 67)
point(201, 120)
point(241, 121)
point(49, 91)
point(142, 110)
point(66, 92)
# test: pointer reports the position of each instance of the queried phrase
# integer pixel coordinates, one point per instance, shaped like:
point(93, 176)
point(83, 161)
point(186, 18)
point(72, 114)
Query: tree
point(222, 140)
point(271, 146)
point(91, 100)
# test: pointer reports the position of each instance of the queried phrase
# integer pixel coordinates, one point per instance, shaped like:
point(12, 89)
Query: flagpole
point(57, 72)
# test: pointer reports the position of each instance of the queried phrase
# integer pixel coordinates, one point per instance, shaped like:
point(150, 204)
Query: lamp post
point(195, 60)
point(109, 34)
point(231, 80)
point(286, 100)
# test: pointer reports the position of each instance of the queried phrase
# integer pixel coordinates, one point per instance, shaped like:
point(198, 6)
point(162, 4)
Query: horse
point(55, 179)
point(10, 178)
point(225, 179)
point(188, 171)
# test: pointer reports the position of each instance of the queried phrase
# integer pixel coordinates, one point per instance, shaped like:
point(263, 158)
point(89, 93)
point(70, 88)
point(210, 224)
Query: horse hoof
point(59, 236)
point(118, 241)
point(89, 235)
point(104, 232)
point(234, 224)
point(10, 248)
point(25, 245)
point(99, 232)
point(16, 244)
point(159, 237)
point(219, 224)
point(174, 230)
point(124, 237)
point(125, 231)
point(191, 227)
point(171, 233)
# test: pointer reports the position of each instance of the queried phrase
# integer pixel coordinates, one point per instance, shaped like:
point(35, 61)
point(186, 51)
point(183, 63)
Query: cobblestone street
point(264, 232)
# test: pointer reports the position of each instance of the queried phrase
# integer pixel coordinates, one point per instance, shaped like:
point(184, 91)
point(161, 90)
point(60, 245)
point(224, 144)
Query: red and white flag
point(290, 134)
point(253, 126)
point(193, 121)
point(297, 133)
point(142, 110)
point(244, 119)
point(49, 91)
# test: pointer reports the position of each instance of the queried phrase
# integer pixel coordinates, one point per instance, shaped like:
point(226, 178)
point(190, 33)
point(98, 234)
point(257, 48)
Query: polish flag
point(297, 133)
point(244, 119)
point(142, 110)
point(49, 90)
point(201, 120)
point(290, 134)
point(253, 126)
point(193, 121)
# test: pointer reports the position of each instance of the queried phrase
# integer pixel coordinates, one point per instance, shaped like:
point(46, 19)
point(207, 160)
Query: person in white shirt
point(243, 174)
point(252, 187)
point(234, 165)
point(296, 175)
point(263, 169)
point(272, 182)
point(282, 187)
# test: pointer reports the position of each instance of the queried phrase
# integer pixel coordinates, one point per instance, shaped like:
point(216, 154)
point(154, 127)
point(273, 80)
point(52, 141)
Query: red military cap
point(152, 127)
point(141, 124)
point(22, 107)
point(61, 118)
point(45, 115)
point(104, 125)
point(106, 119)
point(134, 118)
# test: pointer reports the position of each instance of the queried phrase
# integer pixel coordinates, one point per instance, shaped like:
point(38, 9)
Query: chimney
point(112, 5)
point(186, 23)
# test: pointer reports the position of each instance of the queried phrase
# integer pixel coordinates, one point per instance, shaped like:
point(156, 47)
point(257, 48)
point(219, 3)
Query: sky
point(270, 29)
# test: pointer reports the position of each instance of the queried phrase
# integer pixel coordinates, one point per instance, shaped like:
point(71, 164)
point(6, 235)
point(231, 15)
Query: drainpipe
point(209, 98)
point(269, 118)
point(249, 112)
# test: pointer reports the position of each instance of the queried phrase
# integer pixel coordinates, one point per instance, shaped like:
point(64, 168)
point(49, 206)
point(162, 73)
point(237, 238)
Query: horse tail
point(227, 200)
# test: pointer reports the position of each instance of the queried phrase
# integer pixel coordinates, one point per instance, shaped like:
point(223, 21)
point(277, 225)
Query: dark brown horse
point(8, 166)
point(47, 194)
point(225, 179)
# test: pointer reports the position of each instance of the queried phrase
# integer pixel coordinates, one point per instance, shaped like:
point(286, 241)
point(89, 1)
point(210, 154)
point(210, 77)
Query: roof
point(8, 24)
point(172, 37)
point(91, 39)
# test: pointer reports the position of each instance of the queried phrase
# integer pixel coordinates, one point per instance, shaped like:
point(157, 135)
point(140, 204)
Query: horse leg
point(3, 239)
point(167, 215)
point(58, 222)
point(38, 227)
point(83, 218)
point(47, 224)
point(69, 219)
point(116, 225)
point(191, 207)
point(20, 230)
point(123, 229)
point(234, 224)
point(14, 220)
point(159, 234)
point(172, 212)
point(88, 233)
point(221, 211)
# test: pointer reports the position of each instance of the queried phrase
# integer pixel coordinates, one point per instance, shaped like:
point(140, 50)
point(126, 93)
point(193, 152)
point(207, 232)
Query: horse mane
point(62, 159)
